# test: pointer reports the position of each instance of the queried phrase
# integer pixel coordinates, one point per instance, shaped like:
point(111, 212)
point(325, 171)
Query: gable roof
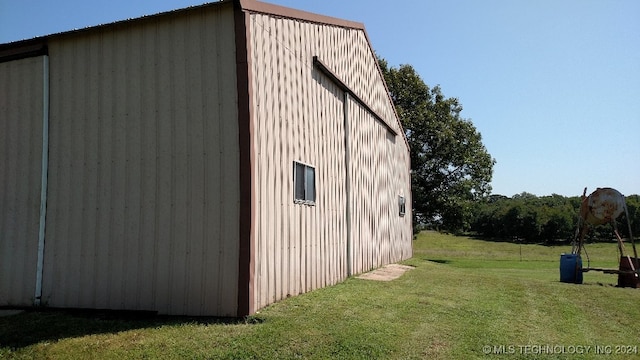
point(38, 46)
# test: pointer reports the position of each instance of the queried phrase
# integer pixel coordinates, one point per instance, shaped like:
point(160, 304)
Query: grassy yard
point(464, 299)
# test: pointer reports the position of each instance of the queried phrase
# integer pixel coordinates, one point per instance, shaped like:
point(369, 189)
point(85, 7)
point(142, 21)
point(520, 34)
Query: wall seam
point(44, 179)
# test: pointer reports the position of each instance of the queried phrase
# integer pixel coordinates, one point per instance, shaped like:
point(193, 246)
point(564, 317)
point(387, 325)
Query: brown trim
point(344, 87)
point(277, 10)
point(393, 106)
point(245, 132)
point(19, 51)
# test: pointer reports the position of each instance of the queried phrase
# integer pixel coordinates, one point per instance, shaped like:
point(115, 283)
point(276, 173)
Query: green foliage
point(450, 166)
point(546, 219)
point(633, 207)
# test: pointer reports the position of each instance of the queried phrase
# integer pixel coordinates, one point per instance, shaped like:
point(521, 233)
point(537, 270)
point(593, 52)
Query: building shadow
point(33, 326)
point(439, 261)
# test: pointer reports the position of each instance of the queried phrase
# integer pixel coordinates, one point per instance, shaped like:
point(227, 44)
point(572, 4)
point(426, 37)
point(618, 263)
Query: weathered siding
point(21, 112)
point(299, 116)
point(143, 180)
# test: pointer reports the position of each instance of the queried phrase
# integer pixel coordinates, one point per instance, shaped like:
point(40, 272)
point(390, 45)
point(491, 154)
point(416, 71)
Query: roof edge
point(278, 10)
point(44, 38)
point(26, 49)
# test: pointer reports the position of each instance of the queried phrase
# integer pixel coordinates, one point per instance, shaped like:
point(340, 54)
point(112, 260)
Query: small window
point(304, 180)
point(402, 205)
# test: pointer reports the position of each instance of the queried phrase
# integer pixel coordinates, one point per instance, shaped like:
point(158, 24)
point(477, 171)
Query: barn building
point(204, 161)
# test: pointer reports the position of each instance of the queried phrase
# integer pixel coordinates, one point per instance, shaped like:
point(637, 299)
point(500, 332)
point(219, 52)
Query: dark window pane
point(298, 177)
point(310, 184)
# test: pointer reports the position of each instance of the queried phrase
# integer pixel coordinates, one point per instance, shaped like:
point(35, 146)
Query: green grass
point(463, 296)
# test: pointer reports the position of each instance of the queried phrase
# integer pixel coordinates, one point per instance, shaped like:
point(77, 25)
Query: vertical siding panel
point(230, 187)
point(180, 167)
point(90, 166)
point(293, 226)
point(268, 162)
point(133, 167)
point(263, 126)
point(55, 221)
point(288, 63)
point(65, 254)
point(283, 157)
point(263, 107)
point(259, 46)
point(269, 107)
point(355, 231)
point(164, 247)
point(213, 248)
point(279, 158)
point(103, 231)
point(292, 258)
point(272, 161)
point(146, 232)
point(300, 112)
point(315, 233)
point(20, 160)
point(12, 72)
point(297, 110)
point(262, 160)
point(32, 164)
point(118, 244)
point(56, 132)
point(195, 152)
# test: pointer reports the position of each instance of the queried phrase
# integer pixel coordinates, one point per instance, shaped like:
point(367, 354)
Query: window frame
point(307, 186)
point(402, 206)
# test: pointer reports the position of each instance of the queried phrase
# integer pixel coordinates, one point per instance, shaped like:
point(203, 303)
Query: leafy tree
point(633, 207)
point(546, 219)
point(450, 166)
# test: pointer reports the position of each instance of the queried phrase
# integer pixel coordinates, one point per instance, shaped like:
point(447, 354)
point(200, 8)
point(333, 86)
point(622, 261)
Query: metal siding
point(143, 192)
point(291, 256)
point(379, 174)
point(21, 112)
point(299, 116)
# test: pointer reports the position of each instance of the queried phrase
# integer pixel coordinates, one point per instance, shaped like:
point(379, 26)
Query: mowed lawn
point(465, 299)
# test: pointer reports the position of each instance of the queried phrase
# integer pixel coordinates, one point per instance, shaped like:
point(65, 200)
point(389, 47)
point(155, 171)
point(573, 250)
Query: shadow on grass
point(439, 261)
point(44, 325)
point(520, 241)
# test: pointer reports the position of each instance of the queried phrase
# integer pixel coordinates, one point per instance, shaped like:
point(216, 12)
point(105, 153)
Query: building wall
point(21, 105)
point(379, 173)
point(299, 116)
point(143, 177)
point(145, 168)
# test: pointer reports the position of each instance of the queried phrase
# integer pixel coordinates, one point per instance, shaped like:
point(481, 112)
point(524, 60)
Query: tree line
point(547, 219)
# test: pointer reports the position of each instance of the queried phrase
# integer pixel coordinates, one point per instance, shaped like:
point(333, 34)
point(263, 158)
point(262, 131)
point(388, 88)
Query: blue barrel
point(571, 268)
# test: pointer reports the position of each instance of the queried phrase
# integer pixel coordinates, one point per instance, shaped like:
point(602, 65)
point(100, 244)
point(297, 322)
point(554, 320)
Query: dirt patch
point(386, 273)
